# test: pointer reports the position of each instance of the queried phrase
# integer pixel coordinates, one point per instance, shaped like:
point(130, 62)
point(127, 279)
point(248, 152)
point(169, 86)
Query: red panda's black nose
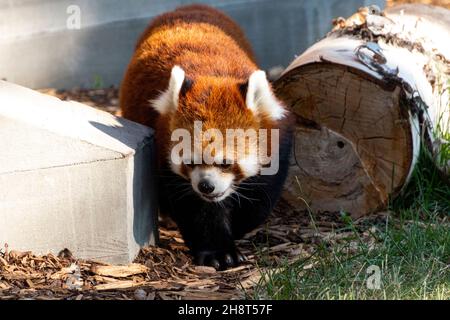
point(205, 187)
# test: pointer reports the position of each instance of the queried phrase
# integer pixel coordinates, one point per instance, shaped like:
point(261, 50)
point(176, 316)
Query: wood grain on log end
point(353, 142)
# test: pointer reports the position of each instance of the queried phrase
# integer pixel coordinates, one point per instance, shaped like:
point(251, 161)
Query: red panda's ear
point(260, 98)
point(168, 100)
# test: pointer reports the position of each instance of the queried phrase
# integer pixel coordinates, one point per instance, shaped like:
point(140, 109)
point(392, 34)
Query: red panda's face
point(214, 126)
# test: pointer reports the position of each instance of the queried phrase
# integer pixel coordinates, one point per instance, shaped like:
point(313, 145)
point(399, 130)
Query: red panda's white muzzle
point(211, 183)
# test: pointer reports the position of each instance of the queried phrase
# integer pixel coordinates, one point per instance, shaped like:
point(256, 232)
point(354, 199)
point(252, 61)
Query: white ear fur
point(168, 100)
point(260, 98)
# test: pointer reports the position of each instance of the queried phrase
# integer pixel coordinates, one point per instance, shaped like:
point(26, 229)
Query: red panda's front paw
point(220, 260)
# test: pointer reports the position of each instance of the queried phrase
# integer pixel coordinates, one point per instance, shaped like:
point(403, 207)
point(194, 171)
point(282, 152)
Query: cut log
point(363, 97)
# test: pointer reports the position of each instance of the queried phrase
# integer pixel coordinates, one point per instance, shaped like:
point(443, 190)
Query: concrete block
point(73, 177)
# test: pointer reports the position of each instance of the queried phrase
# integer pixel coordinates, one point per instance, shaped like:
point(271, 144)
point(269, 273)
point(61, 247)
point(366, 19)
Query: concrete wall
point(38, 50)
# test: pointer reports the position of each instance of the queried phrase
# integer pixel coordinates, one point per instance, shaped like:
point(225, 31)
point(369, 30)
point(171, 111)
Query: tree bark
point(364, 96)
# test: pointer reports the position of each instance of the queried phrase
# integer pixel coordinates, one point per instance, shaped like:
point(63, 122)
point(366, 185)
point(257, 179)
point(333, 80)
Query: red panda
point(194, 65)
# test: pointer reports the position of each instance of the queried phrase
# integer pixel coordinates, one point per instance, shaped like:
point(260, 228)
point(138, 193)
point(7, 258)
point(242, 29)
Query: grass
point(410, 249)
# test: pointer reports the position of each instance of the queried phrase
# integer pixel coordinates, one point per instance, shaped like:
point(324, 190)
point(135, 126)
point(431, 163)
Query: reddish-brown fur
point(213, 52)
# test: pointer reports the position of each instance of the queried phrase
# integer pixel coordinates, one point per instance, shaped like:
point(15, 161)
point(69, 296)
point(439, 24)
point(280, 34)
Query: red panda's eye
point(190, 165)
point(224, 165)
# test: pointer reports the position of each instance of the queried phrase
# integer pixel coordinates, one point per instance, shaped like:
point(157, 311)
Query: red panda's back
point(198, 13)
point(202, 40)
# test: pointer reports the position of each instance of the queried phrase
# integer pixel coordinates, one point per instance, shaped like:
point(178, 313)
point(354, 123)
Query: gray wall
point(37, 49)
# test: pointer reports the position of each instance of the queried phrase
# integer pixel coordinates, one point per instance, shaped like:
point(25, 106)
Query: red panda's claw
point(240, 257)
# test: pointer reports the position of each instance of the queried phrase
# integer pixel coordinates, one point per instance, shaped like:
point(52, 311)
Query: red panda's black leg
point(206, 230)
point(205, 227)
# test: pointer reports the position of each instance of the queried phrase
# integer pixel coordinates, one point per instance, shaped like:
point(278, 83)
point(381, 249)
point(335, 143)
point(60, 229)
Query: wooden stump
point(363, 97)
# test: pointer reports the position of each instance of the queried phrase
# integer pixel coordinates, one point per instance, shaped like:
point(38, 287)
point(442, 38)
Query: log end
point(353, 140)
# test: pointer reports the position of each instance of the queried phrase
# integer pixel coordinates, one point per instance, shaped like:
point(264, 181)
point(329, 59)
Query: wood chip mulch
point(106, 99)
point(166, 271)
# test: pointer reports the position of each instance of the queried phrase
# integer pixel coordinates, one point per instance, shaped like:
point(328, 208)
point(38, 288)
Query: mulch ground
point(103, 99)
point(166, 271)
